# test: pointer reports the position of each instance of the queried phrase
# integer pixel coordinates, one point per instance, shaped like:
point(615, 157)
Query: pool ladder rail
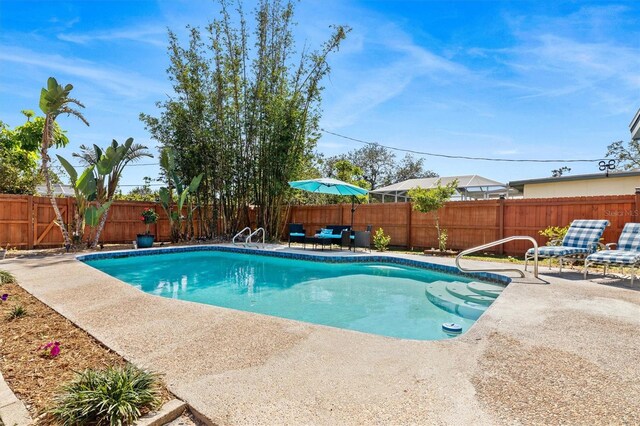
point(497, 243)
point(248, 239)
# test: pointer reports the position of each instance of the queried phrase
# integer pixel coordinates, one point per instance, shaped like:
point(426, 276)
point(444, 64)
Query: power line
point(463, 157)
point(79, 166)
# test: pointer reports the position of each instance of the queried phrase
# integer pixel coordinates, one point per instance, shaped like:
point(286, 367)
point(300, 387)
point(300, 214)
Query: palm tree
point(108, 167)
point(55, 100)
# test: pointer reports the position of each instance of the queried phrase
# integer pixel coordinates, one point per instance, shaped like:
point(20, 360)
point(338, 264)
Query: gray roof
point(634, 126)
point(519, 184)
point(58, 190)
point(466, 182)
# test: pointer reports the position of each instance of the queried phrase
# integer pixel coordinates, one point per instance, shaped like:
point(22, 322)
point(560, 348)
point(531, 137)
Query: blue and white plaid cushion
point(630, 237)
point(584, 233)
point(615, 256)
point(557, 251)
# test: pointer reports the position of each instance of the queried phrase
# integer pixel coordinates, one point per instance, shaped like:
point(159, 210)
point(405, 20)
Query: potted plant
point(148, 217)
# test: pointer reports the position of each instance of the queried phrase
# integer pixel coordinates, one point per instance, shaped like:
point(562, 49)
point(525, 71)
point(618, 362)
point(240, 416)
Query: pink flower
point(51, 349)
point(55, 350)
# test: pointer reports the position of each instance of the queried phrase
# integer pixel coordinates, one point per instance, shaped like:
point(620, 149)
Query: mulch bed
point(34, 378)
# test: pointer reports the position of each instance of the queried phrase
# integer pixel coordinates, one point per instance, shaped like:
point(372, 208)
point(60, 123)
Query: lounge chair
point(582, 239)
point(296, 233)
point(626, 253)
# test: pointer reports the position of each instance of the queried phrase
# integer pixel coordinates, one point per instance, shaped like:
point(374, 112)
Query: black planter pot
point(144, 240)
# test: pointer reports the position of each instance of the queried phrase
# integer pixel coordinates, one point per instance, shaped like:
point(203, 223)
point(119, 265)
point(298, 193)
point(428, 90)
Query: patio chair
point(582, 239)
point(362, 239)
point(346, 239)
point(296, 233)
point(626, 252)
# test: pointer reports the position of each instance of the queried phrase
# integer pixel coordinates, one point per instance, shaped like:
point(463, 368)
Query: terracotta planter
point(145, 240)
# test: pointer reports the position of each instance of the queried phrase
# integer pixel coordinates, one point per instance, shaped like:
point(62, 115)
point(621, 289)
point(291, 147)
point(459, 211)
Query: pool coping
point(326, 258)
point(236, 367)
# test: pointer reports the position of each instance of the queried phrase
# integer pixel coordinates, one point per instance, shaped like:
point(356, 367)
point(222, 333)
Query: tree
point(410, 168)
point(20, 152)
point(108, 166)
point(560, 171)
point(55, 100)
point(430, 201)
point(377, 163)
point(140, 193)
point(627, 157)
point(245, 118)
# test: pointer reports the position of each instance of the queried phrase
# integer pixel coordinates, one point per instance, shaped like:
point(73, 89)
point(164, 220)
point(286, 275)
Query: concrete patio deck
point(561, 352)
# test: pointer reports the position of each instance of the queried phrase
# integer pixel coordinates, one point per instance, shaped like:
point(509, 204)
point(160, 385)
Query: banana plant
point(182, 196)
point(84, 188)
point(108, 166)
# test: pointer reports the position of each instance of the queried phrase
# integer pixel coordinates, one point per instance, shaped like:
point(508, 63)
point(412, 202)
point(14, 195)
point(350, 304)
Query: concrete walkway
point(562, 352)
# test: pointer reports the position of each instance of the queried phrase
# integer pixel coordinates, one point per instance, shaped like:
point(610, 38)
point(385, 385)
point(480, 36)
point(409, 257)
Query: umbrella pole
point(353, 209)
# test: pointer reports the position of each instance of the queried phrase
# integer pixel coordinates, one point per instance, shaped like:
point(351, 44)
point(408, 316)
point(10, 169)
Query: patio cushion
point(557, 251)
point(325, 231)
point(296, 234)
point(584, 233)
point(615, 256)
point(629, 238)
point(329, 236)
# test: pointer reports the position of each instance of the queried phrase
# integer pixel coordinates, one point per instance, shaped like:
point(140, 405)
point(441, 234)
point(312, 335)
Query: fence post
point(637, 200)
point(31, 224)
point(155, 225)
point(409, 210)
point(501, 223)
point(69, 215)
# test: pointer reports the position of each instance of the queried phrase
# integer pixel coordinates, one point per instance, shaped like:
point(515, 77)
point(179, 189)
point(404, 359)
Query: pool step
point(486, 289)
point(461, 290)
point(437, 294)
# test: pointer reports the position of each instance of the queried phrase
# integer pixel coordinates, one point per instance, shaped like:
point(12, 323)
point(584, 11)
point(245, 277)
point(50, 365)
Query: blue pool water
point(384, 299)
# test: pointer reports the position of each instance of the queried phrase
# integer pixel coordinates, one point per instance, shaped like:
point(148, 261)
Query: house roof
point(466, 182)
point(58, 190)
point(634, 126)
point(519, 184)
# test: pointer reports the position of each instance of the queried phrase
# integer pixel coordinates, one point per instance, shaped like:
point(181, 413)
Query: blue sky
point(503, 79)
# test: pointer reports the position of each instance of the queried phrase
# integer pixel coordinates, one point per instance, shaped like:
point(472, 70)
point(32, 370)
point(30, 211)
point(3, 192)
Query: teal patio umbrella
point(331, 186)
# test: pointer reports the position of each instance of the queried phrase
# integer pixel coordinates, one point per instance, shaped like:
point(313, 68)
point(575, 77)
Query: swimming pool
point(388, 299)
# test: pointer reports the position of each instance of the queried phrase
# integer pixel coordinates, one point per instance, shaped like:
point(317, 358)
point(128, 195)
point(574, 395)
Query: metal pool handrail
point(239, 234)
point(497, 243)
point(248, 240)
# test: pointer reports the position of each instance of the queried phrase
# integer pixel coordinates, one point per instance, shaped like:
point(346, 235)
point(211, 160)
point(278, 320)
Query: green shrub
point(381, 241)
point(7, 278)
point(18, 311)
point(555, 234)
point(442, 239)
point(115, 396)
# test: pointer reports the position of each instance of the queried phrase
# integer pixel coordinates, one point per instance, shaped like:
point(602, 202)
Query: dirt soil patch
point(34, 378)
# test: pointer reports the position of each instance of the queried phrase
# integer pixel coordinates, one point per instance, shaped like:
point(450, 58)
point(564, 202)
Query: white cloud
point(122, 83)
point(371, 84)
point(153, 35)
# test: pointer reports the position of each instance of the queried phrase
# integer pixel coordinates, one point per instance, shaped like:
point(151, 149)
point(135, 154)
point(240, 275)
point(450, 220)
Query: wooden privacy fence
point(28, 221)
point(473, 223)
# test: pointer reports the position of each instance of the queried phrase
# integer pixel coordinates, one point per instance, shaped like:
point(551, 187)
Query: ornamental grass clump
point(7, 278)
point(115, 396)
point(17, 312)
